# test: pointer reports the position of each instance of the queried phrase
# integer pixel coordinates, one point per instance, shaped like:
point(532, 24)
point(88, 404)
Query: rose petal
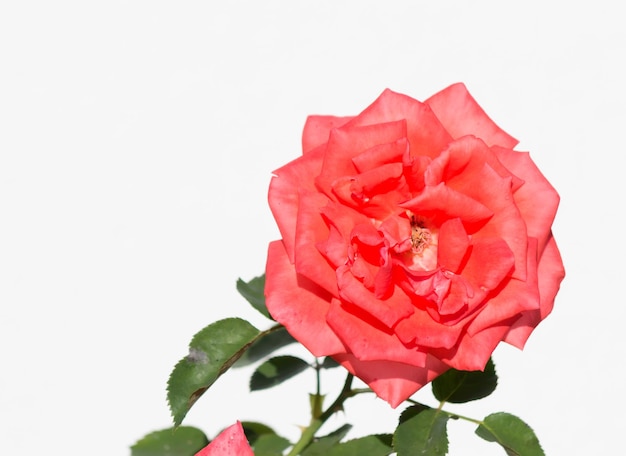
point(397, 232)
point(284, 189)
point(343, 218)
point(441, 203)
point(230, 442)
point(425, 132)
point(367, 339)
point(550, 275)
point(426, 288)
point(482, 183)
point(512, 298)
point(420, 328)
point(537, 199)
point(461, 115)
point(383, 154)
point(490, 262)
point(311, 230)
point(473, 352)
point(363, 191)
point(464, 157)
point(305, 315)
point(341, 221)
point(506, 224)
point(318, 128)
point(348, 142)
point(391, 381)
point(369, 256)
point(460, 298)
point(388, 311)
point(452, 246)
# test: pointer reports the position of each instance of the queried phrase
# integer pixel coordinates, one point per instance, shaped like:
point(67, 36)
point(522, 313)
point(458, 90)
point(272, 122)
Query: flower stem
point(317, 380)
point(457, 416)
point(452, 415)
point(316, 423)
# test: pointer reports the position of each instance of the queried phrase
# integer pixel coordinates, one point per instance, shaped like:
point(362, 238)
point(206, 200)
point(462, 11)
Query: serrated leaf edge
point(225, 366)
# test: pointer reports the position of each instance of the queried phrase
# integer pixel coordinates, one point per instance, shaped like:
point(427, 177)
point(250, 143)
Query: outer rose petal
point(550, 274)
point(231, 442)
point(367, 340)
point(391, 381)
point(425, 133)
point(461, 115)
point(298, 304)
point(537, 200)
point(473, 352)
point(514, 298)
point(283, 193)
point(311, 230)
point(317, 129)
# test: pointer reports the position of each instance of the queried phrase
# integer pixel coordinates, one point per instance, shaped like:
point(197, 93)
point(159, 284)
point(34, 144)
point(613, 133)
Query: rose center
point(421, 236)
point(422, 253)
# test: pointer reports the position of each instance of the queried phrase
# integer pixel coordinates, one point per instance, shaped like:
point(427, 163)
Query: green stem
point(455, 416)
point(466, 418)
point(356, 391)
point(317, 401)
point(318, 380)
point(336, 406)
point(306, 437)
point(316, 423)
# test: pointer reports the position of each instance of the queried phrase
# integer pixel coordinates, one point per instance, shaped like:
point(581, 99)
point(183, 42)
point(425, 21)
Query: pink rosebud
point(231, 442)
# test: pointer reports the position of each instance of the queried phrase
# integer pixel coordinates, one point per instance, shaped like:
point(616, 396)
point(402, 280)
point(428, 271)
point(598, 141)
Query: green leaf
point(275, 371)
point(411, 411)
point(463, 386)
point(253, 291)
point(423, 434)
point(265, 346)
point(263, 440)
point(254, 430)
point(270, 445)
point(321, 446)
point(515, 436)
point(371, 445)
point(181, 441)
point(212, 351)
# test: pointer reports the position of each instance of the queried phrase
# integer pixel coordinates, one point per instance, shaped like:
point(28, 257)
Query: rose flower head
point(414, 239)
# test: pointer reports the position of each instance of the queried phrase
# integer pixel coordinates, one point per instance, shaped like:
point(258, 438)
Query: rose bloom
point(231, 442)
point(414, 239)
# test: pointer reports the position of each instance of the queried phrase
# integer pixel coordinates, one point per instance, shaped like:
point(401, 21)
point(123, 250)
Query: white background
point(137, 139)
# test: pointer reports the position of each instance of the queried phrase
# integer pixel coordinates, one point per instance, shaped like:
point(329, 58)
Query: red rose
point(414, 239)
point(231, 442)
